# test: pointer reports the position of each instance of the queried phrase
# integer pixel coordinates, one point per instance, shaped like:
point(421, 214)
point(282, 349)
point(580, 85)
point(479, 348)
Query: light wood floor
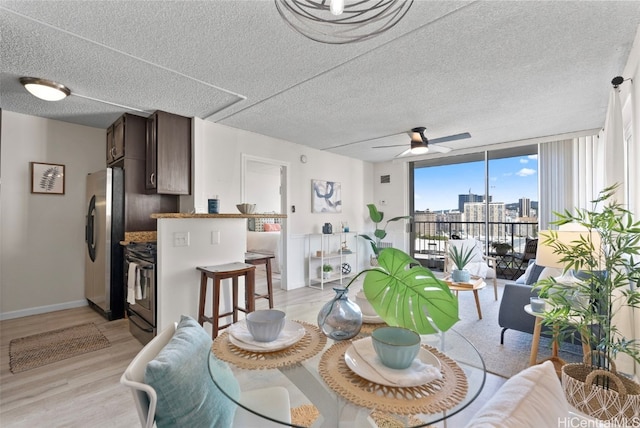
point(85, 390)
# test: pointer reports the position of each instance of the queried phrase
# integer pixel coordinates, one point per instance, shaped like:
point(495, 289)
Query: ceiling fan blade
point(406, 152)
point(393, 145)
point(439, 149)
point(450, 138)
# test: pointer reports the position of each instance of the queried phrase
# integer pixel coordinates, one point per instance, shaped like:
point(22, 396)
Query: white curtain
point(584, 154)
point(612, 153)
point(614, 164)
point(556, 175)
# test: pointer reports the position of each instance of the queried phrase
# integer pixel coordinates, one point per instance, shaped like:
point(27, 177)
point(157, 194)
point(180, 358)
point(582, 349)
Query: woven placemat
point(312, 343)
point(434, 397)
point(367, 328)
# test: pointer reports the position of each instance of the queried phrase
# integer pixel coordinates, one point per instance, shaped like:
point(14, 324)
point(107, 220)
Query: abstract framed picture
point(47, 178)
point(326, 196)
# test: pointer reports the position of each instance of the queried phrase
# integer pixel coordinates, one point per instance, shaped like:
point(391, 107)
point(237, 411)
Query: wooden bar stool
point(218, 273)
point(258, 259)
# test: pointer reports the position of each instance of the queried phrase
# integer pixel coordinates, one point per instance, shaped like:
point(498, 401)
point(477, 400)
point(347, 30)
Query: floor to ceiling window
point(490, 196)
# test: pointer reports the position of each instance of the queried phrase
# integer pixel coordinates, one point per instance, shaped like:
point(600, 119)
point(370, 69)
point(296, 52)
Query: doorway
point(264, 183)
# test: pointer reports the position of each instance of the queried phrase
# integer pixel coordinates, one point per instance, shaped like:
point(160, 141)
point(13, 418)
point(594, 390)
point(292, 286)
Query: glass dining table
point(324, 381)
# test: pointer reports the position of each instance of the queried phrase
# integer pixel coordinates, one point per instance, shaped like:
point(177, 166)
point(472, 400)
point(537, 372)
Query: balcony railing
point(430, 238)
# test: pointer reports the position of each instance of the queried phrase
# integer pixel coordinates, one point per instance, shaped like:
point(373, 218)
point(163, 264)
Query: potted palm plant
point(605, 254)
point(460, 257)
point(380, 233)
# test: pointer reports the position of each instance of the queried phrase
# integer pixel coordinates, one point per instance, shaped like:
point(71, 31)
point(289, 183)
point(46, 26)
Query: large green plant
point(406, 294)
point(606, 255)
point(379, 233)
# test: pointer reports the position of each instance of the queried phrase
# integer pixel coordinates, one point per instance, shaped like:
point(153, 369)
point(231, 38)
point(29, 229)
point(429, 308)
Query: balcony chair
point(184, 393)
point(480, 265)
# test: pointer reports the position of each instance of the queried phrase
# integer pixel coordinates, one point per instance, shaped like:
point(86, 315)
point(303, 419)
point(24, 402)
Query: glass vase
point(340, 318)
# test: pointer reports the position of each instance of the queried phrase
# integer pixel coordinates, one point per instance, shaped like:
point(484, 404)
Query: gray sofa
point(511, 314)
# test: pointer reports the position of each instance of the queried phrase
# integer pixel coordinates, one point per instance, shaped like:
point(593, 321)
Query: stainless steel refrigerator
point(104, 229)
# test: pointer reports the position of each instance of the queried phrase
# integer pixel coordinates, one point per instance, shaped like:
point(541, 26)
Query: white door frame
point(284, 198)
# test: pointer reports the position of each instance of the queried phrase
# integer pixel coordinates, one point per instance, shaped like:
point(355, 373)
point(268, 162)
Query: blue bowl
point(265, 325)
point(396, 347)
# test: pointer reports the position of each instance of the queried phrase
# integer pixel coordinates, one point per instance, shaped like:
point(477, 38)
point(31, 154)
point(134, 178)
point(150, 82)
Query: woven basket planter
point(620, 402)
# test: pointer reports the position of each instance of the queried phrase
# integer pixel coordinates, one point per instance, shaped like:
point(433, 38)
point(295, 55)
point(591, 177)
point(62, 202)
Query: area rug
point(30, 352)
point(512, 357)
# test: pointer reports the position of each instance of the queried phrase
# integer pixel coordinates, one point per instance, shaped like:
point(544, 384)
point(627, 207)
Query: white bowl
point(246, 208)
point(265, 325)
point(365, 305)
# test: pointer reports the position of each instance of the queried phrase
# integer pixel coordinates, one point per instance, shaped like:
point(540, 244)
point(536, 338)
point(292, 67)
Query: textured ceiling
point(500, 70)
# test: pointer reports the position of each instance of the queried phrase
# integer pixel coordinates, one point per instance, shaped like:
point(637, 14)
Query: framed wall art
point(326, 197)
point(47, 178)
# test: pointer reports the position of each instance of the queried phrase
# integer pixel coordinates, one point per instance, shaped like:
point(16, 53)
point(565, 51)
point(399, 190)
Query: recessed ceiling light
point(45, 89)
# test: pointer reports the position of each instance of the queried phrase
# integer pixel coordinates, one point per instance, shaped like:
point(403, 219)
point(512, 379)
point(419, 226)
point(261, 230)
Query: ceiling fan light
point(418, 148)
point(45, 89)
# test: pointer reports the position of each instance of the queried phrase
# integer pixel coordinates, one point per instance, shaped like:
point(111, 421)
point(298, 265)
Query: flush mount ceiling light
point(419, 143)
point(45, 89)
point(342, 21)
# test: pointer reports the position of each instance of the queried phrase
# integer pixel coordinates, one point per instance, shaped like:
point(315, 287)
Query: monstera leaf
point(408, 295)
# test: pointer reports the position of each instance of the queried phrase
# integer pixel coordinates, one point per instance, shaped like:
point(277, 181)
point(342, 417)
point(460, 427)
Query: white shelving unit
point(330, 249)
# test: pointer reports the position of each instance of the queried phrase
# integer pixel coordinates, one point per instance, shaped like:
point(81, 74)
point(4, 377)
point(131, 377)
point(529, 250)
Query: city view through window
point(449, 202)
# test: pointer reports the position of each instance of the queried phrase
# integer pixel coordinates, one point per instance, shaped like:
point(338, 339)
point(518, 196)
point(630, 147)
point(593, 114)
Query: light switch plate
point(215, 237)
point(181, 239)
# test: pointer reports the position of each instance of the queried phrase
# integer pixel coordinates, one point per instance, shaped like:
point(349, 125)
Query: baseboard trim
point(42, 309)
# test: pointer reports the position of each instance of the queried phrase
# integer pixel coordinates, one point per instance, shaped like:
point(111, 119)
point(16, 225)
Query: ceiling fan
point(421, 145)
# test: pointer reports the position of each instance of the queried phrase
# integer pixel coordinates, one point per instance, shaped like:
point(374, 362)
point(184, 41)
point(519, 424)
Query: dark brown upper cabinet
point(126, 138)
point(168, 153)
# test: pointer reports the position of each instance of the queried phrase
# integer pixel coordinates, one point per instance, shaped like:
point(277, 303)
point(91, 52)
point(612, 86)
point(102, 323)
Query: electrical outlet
point(383, 203)
point(215, 237)
point(181, 239)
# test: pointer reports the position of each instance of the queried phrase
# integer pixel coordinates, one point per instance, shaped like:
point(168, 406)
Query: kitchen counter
point(149, 236)
point(238, 215)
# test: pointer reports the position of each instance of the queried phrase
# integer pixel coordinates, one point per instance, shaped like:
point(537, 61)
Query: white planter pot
point(458, 275)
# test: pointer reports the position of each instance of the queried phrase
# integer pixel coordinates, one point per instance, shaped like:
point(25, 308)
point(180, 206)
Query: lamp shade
point(570, 235)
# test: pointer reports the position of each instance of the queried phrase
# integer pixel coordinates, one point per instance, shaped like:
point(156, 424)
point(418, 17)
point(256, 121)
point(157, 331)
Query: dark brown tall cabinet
point(168, 154)
point(126, 149)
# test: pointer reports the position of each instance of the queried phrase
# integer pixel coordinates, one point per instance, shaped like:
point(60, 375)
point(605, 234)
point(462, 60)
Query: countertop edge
point(204, 215)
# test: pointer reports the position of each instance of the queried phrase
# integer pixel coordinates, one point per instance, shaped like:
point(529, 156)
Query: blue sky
point(437, 188)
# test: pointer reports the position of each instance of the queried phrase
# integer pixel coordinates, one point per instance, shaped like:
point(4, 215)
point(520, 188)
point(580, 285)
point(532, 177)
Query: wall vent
point(385, 179)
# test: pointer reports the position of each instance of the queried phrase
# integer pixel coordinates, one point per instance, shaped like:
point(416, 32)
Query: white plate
point(372, 319)
point(363, 368)
point(292, 328)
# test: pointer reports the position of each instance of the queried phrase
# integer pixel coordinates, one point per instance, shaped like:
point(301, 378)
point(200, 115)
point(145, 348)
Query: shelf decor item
point(47, 178)
point(326, 271)
point(601, 246)
point(340, 318)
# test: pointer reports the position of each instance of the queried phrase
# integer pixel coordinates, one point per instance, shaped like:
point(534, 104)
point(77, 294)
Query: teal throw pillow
point(187, 396)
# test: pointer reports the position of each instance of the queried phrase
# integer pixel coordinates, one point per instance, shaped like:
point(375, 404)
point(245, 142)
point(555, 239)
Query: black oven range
point(140, 283)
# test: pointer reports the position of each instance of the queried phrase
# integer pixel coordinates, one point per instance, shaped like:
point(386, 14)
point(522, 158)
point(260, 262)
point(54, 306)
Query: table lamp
point(570, 235)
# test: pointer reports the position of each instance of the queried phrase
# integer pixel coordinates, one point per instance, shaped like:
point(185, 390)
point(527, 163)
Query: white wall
point(42, 236)
point(218, 165)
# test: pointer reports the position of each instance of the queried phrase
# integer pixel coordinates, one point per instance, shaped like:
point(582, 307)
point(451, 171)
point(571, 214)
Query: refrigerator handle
point(88, 230)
